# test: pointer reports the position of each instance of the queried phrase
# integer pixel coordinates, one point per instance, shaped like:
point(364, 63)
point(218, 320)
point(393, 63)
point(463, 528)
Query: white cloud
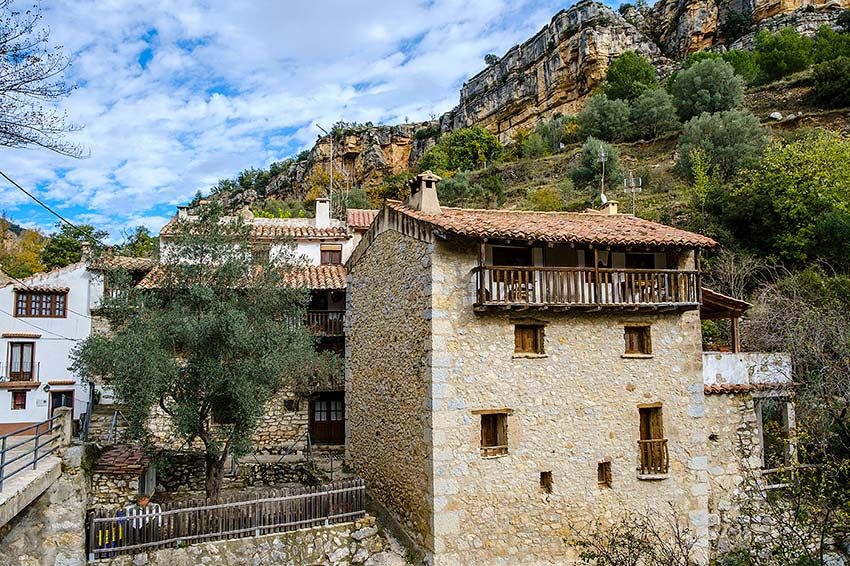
point(230, 85)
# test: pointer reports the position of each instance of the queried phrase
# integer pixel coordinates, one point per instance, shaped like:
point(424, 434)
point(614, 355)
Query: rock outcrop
point(550, 73)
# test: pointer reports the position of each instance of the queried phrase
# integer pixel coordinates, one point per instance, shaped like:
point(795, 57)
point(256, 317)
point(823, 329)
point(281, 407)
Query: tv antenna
point(632, 185)
point(603, 157)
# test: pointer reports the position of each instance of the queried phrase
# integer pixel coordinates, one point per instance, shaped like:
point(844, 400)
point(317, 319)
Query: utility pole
point(632, 186)
point(331, 173)
point(602, 158)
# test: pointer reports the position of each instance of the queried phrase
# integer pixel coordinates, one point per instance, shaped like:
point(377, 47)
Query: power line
point(31, 288)
point(39, 328)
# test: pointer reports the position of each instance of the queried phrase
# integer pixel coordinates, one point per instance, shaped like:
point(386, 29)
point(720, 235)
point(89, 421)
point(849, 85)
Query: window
point(654, 457)
point(638, 340)
point(331, 254)
point(546, 482)
point(603, 474)
point(772, 413)
point(640, 261)
point(512, 257)
point(494, 434)
point(19, 400)
point(528, 339)
point(291, 405)
point(39, 304)
point(21, 361)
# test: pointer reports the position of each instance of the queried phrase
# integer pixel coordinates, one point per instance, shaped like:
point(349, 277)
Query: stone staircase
point(101, 422)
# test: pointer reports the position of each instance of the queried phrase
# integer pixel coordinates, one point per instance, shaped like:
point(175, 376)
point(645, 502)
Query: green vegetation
point(282, 208)
point(737, 24)
point(588, 173)
point(710, 85)
point(653, 114)
point(461, 150)
point(66, 246)
point(730, 141)
point(832, 82)
point(782, 53)
point(139, 243)
point(20, 250)
point(629, 76)
point(605, 119)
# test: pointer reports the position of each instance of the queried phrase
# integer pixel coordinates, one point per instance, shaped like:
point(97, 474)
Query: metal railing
point(12, 455)
point(179, 523)
point(582, 286)
point(112, 433)
point(20, 372)
point(654, 456)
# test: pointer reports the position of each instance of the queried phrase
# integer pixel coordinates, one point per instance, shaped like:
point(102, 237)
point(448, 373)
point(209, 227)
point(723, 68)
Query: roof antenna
point(602, 158)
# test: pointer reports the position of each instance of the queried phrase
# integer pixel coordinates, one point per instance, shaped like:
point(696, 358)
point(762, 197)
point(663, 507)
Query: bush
point(843, 21)
point(588, 173)
point(357, 198)
point(605, 119)
point(653, 114)
point(548, 199)
point(782, 53)
point(830, 44)
point(745, 65)
point(458, 190)
point(729, 139)
point(461, 150)
point(554, 131)
point(534, 146)
point(708, 86)
point(628, 76)
point(832, 82)
point(737, 24)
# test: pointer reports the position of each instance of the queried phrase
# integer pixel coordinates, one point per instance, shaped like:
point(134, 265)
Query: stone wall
point(113, 491)
point(387, 381)
point(359, 542)
point(733, 452)
point(570, 409)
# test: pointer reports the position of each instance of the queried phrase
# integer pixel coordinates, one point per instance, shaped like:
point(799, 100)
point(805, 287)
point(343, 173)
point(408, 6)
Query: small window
point(528, 339)
point(40, 304)
point(331, 254)
point(494, 434)
point(19, 400)
point(546, 482)
point(507, 256)
point(603, 474)
point(654, 458)
point(638, 340)
point(290, 405)
point(772, 414)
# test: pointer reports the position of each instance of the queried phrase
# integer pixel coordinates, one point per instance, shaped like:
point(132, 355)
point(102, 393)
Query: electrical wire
point(61, 337)
point(31, 288)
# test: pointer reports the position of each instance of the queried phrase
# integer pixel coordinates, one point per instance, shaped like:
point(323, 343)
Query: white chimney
point(609, 207)
point(323, 213)
point(423, 193)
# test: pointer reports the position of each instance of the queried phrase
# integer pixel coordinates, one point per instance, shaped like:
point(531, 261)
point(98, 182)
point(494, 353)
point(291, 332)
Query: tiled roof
point(728, 388)
point(320, 277)
point(20, 335)
point(122, 459)
point(717, 305)
point(42, 288)
point(557, 227)
point(124, 262)
point(278, 228)
point(359, 218)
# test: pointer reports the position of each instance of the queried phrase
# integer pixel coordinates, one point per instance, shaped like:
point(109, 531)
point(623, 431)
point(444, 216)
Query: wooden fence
point(134, 529)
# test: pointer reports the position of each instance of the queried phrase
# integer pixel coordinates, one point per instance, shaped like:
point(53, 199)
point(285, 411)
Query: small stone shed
point(120, 474)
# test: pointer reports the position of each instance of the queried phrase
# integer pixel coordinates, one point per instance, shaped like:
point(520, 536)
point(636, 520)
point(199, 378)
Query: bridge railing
point(40, 441)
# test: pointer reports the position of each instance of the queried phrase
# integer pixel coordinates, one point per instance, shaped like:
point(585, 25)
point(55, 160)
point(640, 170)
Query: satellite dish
point(603, 198)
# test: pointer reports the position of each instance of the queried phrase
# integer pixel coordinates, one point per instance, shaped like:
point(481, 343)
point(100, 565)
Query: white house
point(42, 318)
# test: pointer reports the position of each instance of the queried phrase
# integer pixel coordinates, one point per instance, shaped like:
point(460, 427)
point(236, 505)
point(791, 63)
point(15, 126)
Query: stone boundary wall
point(359, 542)
point(111, 491)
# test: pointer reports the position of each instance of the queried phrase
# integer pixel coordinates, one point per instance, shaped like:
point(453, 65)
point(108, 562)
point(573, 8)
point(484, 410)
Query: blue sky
point(173, 96)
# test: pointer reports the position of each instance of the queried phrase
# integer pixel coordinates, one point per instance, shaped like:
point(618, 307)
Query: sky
point(174, 95)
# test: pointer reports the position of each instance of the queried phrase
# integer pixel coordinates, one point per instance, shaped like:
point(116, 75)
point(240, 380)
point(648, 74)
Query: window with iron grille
point(19, 400)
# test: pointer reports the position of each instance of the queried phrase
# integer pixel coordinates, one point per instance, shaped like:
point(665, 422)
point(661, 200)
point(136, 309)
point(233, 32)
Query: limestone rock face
point(549, 73)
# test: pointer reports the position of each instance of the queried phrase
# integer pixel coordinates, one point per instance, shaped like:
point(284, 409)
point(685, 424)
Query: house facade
point(513, 376)
point(42, 318)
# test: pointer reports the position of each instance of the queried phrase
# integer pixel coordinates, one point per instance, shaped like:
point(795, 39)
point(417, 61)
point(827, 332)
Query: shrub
point(707, 86)
point(782, 53)
point(534, 146)
point(458, 190)
point(461, 150)
point(653, 114)
point(729, 139)
point(744, 63)
point(830, 44)
point(843, 21)
point(588, 172)
point(605, 119)
point(545, 199)
point(357, 198)
point(554, 131)
point(832, 82)
point(628, 76)
point(737, 24)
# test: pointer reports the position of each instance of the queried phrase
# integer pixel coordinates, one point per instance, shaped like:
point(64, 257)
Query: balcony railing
point(327, 323)
point(654, 457)
point(586, 287)
point(20, 372)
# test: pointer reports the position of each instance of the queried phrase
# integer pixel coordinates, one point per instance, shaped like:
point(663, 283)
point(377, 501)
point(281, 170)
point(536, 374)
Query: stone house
point(513, 375)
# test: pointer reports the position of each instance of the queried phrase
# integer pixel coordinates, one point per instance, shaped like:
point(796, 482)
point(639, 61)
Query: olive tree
point(710, 85)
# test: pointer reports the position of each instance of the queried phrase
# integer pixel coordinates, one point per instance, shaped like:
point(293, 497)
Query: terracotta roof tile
point(276, 228)
point(729, 388)
point(124, 262)
point(565, 227)
point(121, 459)
point(359, 218)
point(320, 277)
point(42, 288)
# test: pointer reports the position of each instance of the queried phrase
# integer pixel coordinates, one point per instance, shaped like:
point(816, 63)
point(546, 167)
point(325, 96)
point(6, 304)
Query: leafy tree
point(20, 256)
point(357, 198)
point(730, 140)
point(545, 199)
point(461, 150)
point(277, 208)
point(829, 44)
point(66, 246)
point(736, 24)
point(744, 63)
point(629, 75)
point(534, 146)
point(588, 173)
point(31, 83)
point(140, 243)
point(396, 187)
point(652, 114)
point(208, 346)
point(707, 86)
point(782, 53)
point(843, 21)
point(784, 205)
point(493, 187)
point(458, 190)
point(605, 119)
point(832, 82)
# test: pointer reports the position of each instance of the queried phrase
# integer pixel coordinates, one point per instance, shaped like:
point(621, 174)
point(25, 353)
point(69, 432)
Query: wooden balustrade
point(582, 286)
point(328, 323)
point(654, 456)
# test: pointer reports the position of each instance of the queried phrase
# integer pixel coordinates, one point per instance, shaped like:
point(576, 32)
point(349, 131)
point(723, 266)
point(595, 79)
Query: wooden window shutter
point(638, 340)
point(528, 339)
point(651, 423)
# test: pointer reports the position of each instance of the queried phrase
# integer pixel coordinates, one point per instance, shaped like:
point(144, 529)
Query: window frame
point(603, 473)
point(547, 484)
point(16, 393)
point(334, 254)
point(494, 433)
point(48, 301)
point(21, 344)
point(538, 337)
point(644, 340)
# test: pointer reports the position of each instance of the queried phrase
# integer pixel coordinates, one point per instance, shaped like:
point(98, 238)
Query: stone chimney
point(323, 213)
point(182, 212)
point(423, 193)
point(609, 207)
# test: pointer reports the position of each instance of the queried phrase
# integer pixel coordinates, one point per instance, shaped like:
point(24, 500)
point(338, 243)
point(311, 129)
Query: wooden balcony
point(654, 457)
point(325, 323)
point(588, 288)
